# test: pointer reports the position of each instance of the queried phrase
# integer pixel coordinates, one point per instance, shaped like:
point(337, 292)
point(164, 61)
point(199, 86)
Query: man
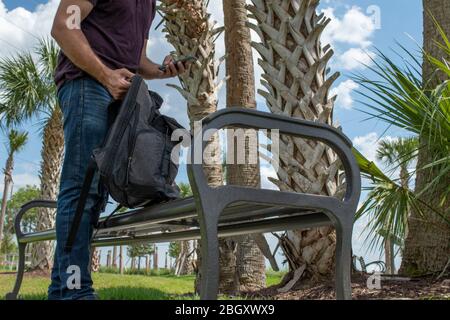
point(97, 60)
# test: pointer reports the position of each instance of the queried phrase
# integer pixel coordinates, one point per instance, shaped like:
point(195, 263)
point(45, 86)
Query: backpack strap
point(103, 223)
point(92, 168)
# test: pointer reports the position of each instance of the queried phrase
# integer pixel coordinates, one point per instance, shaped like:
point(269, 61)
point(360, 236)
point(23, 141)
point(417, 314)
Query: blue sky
point(357, 27)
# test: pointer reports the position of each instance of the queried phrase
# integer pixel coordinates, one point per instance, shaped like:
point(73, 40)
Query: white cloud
point(22, 180)
point(355, 28)
point(355, 58)
point(367, 145)
point(344, 94)
point(350, 36)
point(20, 28)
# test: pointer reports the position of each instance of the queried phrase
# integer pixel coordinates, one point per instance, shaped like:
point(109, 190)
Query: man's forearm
point(148, 69)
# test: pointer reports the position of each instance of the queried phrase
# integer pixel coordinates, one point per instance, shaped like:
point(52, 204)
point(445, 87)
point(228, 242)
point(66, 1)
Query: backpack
point(134, 162)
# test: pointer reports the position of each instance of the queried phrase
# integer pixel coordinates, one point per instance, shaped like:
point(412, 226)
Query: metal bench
point(231, 210)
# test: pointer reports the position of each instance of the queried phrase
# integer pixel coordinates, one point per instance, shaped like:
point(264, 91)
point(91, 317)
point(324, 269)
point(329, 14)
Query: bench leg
point(343, 262)
point(20, 271)
point(209, 288)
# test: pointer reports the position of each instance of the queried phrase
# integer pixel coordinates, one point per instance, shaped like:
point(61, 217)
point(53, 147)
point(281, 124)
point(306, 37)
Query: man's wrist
point(103, 75)
point(150, 70)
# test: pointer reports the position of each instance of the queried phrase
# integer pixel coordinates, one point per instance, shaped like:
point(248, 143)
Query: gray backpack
point(134, 162)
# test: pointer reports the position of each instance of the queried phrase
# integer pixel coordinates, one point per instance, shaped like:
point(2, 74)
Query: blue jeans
point(84, 104)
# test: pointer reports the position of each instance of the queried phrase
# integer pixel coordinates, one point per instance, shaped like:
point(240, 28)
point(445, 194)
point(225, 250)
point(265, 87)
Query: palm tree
point(183, 264)
point(139, 250)
point(249, 271)
point(28, 91)
point(399, 153)
point(190, 31)
point(428, 242)
point(294, 75)
point(399, 98)
point(16, 142)
point(402, 153)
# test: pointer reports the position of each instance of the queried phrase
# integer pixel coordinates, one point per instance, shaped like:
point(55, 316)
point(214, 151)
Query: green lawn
point(121, 287)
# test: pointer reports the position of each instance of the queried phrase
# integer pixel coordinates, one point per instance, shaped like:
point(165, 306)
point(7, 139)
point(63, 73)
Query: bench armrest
point(27, 207)
point(246, 118)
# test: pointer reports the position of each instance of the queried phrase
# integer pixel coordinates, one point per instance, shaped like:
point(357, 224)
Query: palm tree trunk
point(52, 155)
point(189, 29)
point(294, 64)
point(184, 265)
point(155, 258)
point(8, 181)
point(121, 260)
point(427, 244)
point(95, 260)
point(114, 257)
point(249, 271)
point(389, 255)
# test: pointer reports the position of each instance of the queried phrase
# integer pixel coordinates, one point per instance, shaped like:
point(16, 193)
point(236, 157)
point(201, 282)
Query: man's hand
point(117, 82)
point(150, 70)
point(171, 69)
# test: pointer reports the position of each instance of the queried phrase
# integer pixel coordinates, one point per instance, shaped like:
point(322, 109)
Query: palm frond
point(47, 51)
point(387, 204)
point(26, 86)
point(398, 97)
point(398, 153)
point(16, 141)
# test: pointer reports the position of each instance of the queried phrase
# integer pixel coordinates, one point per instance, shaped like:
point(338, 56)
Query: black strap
point(104, 223)
point(92, 167)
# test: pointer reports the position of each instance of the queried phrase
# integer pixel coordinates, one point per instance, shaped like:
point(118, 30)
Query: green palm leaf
point(388, 203)
point(26, 86)
point(398, 97)
point(16, 141)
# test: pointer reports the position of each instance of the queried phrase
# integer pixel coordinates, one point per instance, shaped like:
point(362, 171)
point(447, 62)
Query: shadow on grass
point(32, 296)
point(140, 293)
point(126, 293)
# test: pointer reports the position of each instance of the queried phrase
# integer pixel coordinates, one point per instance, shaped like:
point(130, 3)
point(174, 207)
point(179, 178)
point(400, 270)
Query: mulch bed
point(391, 289)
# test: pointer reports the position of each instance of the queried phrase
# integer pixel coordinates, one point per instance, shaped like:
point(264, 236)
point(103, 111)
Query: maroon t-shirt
point(116, 31)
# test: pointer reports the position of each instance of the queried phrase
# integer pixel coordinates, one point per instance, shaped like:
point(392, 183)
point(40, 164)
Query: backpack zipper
point(165, 174)
point(123, 126)
point(132, 142)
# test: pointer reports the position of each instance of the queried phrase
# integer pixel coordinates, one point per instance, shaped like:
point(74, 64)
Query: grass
point(274, 277)
point(111, 286)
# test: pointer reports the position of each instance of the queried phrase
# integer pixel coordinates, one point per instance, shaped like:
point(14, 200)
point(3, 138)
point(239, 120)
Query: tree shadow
point(125, 293)
point(139, 293)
